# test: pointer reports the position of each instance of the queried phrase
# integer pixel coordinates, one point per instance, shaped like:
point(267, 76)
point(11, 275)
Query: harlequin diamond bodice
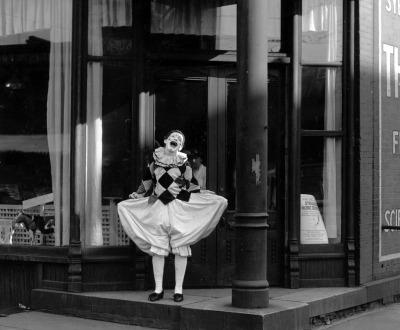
point(170, 183)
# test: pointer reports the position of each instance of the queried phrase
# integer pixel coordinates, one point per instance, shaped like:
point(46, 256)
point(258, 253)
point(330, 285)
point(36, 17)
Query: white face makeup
point(174, 142)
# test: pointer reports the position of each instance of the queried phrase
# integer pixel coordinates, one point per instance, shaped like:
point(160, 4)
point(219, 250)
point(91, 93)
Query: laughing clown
point(175, 216)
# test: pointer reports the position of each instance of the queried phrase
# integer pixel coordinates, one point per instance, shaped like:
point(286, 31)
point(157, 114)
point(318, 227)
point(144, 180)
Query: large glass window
point(182, 104)
point(322, 32)
point(321, 122)
point(109, 121)
point(35, 80)
point(204, 24)
point(321, 98)
point(321, 177)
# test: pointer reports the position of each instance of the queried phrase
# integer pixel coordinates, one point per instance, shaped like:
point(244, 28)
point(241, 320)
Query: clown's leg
point(180, 269)
point(158, 270)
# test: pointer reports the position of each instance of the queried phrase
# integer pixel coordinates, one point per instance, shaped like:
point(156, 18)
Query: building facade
point(90, 88)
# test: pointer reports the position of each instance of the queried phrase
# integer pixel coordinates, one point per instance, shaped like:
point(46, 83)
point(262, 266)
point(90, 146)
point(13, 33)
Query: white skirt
point(157, 228)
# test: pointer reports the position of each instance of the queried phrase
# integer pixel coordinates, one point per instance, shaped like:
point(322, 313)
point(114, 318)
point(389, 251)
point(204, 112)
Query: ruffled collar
point(161, 159)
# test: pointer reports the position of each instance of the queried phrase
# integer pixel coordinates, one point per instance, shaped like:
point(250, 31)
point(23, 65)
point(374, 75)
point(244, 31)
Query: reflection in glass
point(116, 120)
point(321, 176)
point(204, 24)
point(322, 31)
point(321, 101)
point(35, 43)
point(109, 105)
point(182, 104)
point(109, 27)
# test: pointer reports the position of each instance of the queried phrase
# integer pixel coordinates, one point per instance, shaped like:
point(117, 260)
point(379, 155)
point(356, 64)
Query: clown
point(174, 217)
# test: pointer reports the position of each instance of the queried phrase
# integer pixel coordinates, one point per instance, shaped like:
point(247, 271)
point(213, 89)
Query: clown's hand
point(207, 191)
point(135, 195)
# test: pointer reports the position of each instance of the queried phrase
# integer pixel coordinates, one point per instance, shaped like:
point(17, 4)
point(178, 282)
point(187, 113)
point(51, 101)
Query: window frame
point(337, 134)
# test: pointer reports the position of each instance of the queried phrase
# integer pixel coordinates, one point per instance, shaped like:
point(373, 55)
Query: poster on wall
point(387, 44)
point(312, 227)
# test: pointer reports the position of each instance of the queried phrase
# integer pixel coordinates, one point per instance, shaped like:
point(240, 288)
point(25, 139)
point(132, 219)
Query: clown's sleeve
point(146, 184)
point(188, 173)
point(190, 180)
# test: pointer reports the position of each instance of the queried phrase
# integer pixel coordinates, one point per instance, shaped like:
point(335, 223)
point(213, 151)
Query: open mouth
point(173, 143)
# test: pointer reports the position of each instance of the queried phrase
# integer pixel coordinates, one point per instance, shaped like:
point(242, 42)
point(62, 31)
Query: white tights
point(180, 268)
point(158, 270)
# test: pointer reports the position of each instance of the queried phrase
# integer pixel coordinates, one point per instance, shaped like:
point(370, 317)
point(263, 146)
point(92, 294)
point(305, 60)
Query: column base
point(250, 298)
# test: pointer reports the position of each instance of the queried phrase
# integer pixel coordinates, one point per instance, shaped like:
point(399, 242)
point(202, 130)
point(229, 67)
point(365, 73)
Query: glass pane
point(116, 119)
point(204, 24)
point(321, 98)
point(109, 122)
point(182, 105)
point(321, 178)
point(231, 146)
point(35, 46)
point(110, 32)
point(116, 148)
point(322, 37)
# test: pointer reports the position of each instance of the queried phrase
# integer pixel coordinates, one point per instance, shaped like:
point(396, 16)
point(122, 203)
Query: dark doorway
point(201, 101)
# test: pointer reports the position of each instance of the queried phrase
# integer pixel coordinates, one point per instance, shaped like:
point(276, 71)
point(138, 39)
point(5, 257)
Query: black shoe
point(178, 297)
point(156, 296)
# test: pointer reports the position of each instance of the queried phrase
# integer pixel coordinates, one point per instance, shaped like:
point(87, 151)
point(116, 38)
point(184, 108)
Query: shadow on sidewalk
point(5, 311)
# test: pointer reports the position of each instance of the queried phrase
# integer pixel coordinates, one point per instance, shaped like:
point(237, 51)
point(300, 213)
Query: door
point(201, 101)
point(226, 179)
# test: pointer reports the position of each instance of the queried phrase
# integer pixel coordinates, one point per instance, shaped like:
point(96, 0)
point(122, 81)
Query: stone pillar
point(250, 285)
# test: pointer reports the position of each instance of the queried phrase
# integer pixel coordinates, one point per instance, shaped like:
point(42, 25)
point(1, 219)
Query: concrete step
point(126, 307)
point(288, 309)
point(201, 309)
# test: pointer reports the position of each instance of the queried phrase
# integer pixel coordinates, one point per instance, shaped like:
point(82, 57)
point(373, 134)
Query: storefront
point(89, 88)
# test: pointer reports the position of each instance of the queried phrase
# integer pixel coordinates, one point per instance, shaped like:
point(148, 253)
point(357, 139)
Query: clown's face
point(174, 143)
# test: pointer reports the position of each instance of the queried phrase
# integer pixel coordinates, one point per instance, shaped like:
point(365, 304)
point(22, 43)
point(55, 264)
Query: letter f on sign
point(395, 140)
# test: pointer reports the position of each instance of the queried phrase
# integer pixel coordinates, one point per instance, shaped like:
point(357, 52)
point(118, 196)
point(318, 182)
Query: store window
point(322, 32)
point(321, 122)
point(204, 24)
point(35, 80)
point(109, 121)
point(182, 103)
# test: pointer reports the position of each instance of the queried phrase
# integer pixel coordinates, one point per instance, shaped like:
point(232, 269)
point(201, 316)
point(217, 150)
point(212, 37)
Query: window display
point(109, 122)
point(322, 117)
point(322, 36)
point(321, 178)
point(35, 48)
point(321, 151)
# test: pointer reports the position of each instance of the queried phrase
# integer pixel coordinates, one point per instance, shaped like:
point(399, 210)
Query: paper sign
point(312, 227)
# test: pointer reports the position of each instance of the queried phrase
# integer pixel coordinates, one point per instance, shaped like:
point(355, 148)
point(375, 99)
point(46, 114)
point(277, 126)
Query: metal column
point(250, 285)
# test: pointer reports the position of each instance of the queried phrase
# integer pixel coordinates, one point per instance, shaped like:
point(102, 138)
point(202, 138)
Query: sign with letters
point(388, 65)
point(312, 227)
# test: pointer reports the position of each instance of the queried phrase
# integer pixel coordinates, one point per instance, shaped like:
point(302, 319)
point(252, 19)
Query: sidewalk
point(289, 309)
point(33, 320)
